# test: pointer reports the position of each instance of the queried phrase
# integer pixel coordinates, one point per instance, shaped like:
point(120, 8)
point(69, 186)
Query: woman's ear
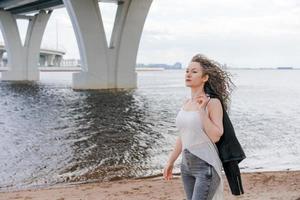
point(206, 77)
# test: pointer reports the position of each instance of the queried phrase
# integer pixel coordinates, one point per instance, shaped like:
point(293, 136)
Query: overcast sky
point(253, 33)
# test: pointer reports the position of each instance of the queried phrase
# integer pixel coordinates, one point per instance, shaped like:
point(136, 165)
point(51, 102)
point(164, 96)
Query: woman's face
point(193, 75)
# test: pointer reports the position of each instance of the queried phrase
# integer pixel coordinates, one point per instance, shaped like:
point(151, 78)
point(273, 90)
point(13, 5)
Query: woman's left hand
point(202, 101)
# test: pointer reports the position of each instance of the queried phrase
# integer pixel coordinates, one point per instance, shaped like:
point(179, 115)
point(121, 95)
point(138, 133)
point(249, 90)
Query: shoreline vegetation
point(257, 185)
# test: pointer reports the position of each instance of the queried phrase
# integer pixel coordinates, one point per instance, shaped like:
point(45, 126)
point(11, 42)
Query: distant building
point(224, 67)
point(284, 67)
point(177, 65)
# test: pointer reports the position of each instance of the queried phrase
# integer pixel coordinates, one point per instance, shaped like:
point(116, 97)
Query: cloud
point(252, 34)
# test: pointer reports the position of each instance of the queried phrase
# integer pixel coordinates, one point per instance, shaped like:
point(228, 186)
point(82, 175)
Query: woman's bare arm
point(213, 121)
point(176, 151)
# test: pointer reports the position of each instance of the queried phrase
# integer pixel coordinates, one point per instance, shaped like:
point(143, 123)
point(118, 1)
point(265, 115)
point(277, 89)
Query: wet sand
point(281, 185)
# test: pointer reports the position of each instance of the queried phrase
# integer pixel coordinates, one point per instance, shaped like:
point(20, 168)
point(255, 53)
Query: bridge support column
point(23, 60)
point(1, 58)
point(127, 31)
point(107, 66)
point(50, 60)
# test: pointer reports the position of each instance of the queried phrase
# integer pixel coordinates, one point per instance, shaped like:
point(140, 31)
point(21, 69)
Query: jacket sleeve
point(228, 145)
point(233, 176)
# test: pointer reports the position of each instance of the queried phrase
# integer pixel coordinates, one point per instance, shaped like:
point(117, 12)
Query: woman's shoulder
point(214, 103)
point(215, 100)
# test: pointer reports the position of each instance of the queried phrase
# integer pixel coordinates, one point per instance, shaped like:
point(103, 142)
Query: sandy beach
point(257, 185)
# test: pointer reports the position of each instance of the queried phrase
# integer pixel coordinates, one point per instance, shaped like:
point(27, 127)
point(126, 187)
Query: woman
point(200, 126)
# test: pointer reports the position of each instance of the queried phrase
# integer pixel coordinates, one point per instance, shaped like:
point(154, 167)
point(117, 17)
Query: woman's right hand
point(168, 171)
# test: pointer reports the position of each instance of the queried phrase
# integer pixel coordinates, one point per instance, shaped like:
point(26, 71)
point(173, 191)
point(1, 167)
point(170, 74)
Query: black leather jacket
point(230, 153)
point(228, 145)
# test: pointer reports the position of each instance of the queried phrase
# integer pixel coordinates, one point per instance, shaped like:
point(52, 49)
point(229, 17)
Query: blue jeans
point(200, 179)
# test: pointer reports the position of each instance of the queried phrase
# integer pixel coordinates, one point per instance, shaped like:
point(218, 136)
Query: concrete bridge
point(103, 65)
point(47, 57)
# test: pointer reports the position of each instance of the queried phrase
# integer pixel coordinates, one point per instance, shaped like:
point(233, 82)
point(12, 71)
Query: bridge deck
point(29, 6)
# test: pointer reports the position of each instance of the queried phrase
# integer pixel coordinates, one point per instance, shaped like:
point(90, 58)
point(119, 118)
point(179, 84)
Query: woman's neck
point(197, 92)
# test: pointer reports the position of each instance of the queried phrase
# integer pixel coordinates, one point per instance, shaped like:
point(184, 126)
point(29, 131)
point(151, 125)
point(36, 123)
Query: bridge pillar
point(107, 66)
point(23, 60)
point(50, 60)
point(1, 58)
point(127, 31)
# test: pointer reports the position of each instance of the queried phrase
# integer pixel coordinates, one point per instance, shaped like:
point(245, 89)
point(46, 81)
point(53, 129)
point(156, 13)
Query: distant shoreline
point(264, 68)
point(229, 68)
point(78, 69)
point(237, 68)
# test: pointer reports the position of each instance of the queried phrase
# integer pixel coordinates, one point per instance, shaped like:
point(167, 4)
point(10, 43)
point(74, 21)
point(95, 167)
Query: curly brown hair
point(219, 83)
